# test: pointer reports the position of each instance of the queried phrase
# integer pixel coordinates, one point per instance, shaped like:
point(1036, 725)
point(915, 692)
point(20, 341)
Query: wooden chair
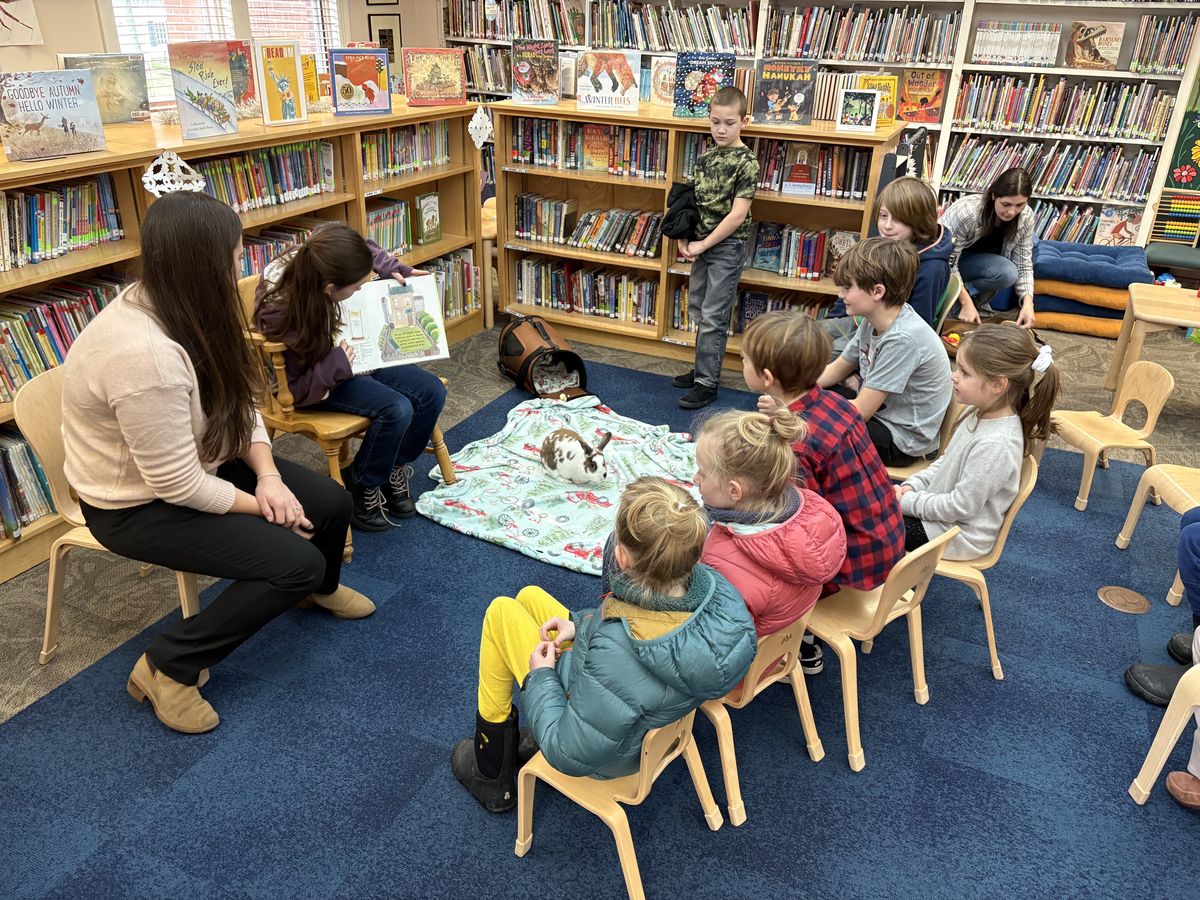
point(861, 615)
point(604, 796)
point(1179, 487)
point(37, 409)
point(1179, 712)
point(901, 473)
point(331, 431)
point(777, 660)
point(1146, 382)
point(946, 303)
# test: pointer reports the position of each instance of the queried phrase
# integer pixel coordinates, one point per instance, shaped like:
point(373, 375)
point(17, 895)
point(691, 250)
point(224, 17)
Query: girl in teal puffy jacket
point(671, 634)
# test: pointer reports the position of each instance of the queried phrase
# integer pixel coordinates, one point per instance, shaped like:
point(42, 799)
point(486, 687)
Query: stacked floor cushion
point(1083, 288)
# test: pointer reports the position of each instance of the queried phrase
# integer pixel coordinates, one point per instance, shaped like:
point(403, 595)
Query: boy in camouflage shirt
point(725, 179)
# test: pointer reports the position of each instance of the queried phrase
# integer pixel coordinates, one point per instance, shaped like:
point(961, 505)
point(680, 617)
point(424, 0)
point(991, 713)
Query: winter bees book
point(45, 114)
point(608, 79)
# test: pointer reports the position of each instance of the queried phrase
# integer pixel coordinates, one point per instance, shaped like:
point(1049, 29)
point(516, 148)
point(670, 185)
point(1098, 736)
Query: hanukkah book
point(699, 75)
point(280, 78)
point(241, 70)
point(435, 76)
point(360, 81)
point(608, 79)
point(662, 81)
point(783, 91)
point(308, 67)
point(46, 114)
point(119, 80)
point(203, 88)
point(534, 71)
point(921, 94)
point(1094, 45)
point(392, 324)
point(887, 87)
point(429, 218)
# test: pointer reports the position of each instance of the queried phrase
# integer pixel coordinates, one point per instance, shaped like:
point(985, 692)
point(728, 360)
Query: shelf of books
point(580, 199)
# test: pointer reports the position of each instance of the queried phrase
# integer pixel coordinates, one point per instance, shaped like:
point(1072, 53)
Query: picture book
point(783, 91)
point(119, 80)
point(429, 218)
point(534, 71)
point(280, 83)
point(392, 324)
point(768, 245)
point(608, 79)
point(203, 88)
point(921, 97)
point(1118, 226)
point(800, 170)
point(662, 81)
point(699, 75)
point(241, 70)
point(360, 81)
point(839, 242)
point(45, 114)
point(566, 74)
point(857, 110)
point(435, 76)
point(1094, 45)
point(886, 85)
point(576, 13)
point(308, 67)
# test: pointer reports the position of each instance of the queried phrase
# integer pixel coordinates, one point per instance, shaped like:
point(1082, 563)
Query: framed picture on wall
point(385, 31)
point(383, 2)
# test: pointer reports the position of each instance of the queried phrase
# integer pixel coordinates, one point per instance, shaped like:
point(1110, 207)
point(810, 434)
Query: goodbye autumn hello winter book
point(47, 114)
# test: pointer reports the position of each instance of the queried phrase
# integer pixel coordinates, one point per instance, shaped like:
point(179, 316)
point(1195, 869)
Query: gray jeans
point(712, 290)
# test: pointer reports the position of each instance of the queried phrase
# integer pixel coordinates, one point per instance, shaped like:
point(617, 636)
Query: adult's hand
point(1027, 316)
point(279, 505)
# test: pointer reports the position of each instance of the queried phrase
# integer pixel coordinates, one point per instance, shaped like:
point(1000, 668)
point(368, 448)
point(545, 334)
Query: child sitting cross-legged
point(671, 634)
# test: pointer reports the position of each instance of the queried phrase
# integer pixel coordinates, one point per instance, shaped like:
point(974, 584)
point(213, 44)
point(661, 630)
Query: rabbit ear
point(604, 441)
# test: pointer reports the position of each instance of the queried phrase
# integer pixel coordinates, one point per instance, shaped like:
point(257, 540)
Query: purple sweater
point(311, 384)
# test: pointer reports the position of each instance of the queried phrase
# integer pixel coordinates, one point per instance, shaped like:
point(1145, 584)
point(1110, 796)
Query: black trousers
point(273, 568)
point(914, 534)
point(879, 434)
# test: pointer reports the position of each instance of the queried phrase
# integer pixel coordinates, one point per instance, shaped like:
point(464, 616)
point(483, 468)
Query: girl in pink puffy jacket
point(776, 542)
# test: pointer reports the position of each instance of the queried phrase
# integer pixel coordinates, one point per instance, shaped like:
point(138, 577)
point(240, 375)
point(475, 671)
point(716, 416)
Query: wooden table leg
point(1120, 352)
point(1133, 350)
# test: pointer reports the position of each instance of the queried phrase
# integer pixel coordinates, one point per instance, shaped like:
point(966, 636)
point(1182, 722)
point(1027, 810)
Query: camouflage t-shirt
point(720, 175)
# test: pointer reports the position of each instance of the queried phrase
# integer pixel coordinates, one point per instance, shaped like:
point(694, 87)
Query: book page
point(392, 324)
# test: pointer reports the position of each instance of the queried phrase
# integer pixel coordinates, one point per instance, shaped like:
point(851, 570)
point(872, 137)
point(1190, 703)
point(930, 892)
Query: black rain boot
point(487, 764)
point(368, 509)
point(399, 500)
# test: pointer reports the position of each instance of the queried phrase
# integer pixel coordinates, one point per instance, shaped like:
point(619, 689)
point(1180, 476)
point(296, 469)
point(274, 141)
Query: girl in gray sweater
point(1008, 386)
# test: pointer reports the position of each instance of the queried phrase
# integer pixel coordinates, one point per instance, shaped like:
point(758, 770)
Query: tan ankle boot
point(178, 706)
point(345, 603)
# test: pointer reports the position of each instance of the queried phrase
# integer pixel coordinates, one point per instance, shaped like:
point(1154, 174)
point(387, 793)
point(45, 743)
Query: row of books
point(631, 232)
point(827, 87)
point(695, 145)
point(1111, 108)
point(1064, 221)
point(406, 149)
point(559, 20)
point(488, 68)
point(813, 170)
point(458, 282)
point(615, 149)
point(260, 249)
point(795, 252)
point(268, 176)
point(748, 306)
point(1016, 43)
point(637, 26)
point(586, 289)
point(24, 490)
point(477, 19)
point(389, 225)
point(898, 34)
point(1163, 44)
point(55, 219)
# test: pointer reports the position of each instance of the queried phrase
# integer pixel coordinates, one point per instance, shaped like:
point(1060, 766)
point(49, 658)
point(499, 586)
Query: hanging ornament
point(169, 173)
point(480, 127)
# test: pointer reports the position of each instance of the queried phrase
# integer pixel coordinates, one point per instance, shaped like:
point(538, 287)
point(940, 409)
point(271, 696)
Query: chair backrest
point(1149, 384)
point(279, 403)
point(953, 411)
point(946, 303)
point(247, 287)
point(660, 746)
point(776, 657)
point(37, 409)
point(1029, 474)
point(912, 573)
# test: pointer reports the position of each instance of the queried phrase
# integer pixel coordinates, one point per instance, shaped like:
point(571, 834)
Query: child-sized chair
point(1179, 712)
point(902, 473)
point(946, 301)
point(1179, 488)
point(1145, 382)
point(851, 615)
point(777, 660)
point(602, 797)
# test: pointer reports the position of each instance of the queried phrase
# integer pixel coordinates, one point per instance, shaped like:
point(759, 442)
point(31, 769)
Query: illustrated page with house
point(393, 324)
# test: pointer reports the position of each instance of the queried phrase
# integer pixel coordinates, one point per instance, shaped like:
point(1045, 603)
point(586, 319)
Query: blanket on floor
point(504, 495)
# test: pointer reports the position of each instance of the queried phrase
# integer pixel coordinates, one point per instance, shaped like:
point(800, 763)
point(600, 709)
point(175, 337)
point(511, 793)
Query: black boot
point(1154, 684)
point(348, 477)
point(487, 764)
point(399, 501)
point(368, 509)
point(1179, 647)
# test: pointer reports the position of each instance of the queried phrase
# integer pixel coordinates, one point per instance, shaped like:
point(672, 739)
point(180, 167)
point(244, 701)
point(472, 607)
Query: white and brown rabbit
point(567, 456)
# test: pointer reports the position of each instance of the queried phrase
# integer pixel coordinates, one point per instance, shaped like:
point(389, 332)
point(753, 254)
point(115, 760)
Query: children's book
point(662, 81)
point(608, 79)
point(429, 218)
point(119, 80)
point(837, 246)
point(534, 71)
point(203, 88)
point(783, 91)
point(800, 170)
point(435, 76)
point(360, 81)
point(1094, 45)
point(857, 110)
point(392, 324)
point(768, 246)
point(886, 85)
point(46, 114)
point(699, 75)
point(597, 148)
point(566, 74)
point(241, 70)
point(1118, 226)
point(280, 79)
point(921, 95)
point(308, 67)
point(575, 10)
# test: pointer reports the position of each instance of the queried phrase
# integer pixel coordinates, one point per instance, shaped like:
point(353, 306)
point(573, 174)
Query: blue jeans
point(403, 404)
point(986, 274)
point(1189, 560)
point(712, 290)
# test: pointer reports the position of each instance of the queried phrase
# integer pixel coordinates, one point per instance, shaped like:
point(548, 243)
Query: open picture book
point(393, 324)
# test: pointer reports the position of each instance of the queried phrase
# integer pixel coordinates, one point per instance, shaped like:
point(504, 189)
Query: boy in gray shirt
point(904, 369)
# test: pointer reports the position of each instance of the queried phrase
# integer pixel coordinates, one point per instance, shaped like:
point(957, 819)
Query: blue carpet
point(329, 773)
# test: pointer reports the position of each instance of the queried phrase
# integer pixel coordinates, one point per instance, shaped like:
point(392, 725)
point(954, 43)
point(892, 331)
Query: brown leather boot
point(1185, 788)
point(178, 706)
point(345, 603)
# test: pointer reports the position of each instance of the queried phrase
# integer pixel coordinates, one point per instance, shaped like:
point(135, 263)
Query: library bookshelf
point(598, 190)
point(345, 197)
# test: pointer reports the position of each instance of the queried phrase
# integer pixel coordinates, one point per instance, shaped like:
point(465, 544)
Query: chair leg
point(916, 650)
point(1152, 459)
point(691, 756)
point(981, 593)
point(1102, 459)
point(526, 784)
point(719, 716)
point(1175, 594)
point(438, 443)
point(1135, 508)
point(144, 570)
point(1085, 480)
point(54, 592)
point(866, 647)
point(844, 648)
point(189, 593)
point(1179, 710)
point(618, 823)
point(816, 752)
point(333, 458)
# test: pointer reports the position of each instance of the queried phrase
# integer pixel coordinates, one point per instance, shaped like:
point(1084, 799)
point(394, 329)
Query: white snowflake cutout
point(169, 173)
point(480, 127)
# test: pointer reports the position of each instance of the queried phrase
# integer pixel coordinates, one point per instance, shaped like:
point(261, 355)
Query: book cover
point(857, 110)
point(308, 69)
point(768, 247)
point(566, 74)
point(435, 76)
point(1118, 226)
point(921, 95)
point(360, 81)
point(800, 170)
point(119, 80)
point(576, 14)
point(534, 71)
point(608, 79)
point(662, 81)
point(392, 324)
point(46, 114)
point(838, 243)
point(887, 87)
point(783, 91)
point(1094, 45)
point(241, 70)
point(699, 75)
point(203, 88)
point(429, 218)
point(280, 78)
point(597, 148)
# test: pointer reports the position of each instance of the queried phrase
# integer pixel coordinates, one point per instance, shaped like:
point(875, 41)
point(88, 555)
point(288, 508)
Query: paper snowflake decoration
point(169, 173)
point(480, 127)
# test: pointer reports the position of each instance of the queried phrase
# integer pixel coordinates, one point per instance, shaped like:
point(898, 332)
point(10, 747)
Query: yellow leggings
point(510, 632)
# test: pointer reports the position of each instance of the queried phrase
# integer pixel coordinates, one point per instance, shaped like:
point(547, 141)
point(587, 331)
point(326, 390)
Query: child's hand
point(901, 490)
point(543, 656)
point(348, 350)
point(768, 405)
point(413, 273)
point(564, 631)
point(684, 249)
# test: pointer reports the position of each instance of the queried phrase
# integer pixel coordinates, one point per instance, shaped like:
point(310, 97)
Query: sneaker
point(686, 380)
point(369, 507)
point(399, 500)
point(812, 658)
point(698, 397)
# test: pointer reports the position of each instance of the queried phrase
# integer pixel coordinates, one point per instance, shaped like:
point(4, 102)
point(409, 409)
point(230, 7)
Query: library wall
point(67, 25)
point(420, 21)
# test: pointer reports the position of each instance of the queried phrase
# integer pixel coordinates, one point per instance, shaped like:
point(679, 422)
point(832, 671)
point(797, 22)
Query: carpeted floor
point(328, 775)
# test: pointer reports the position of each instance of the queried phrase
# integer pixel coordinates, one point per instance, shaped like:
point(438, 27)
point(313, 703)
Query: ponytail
point(757, 448)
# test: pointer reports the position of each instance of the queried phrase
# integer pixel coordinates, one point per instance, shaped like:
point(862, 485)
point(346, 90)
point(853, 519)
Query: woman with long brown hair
point(172, 464)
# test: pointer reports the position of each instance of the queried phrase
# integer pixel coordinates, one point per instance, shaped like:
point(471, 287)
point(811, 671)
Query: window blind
point(311, 23)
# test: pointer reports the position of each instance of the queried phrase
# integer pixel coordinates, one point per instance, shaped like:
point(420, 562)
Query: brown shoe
point(178, 706)
point(345, 603)
point(1185, 788)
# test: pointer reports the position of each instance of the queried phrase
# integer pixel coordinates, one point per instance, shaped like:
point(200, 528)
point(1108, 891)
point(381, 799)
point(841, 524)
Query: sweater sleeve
point(310, 385)
point(985, 471)
point(384, 264)
point(923, 298)
point(957, 219)
point(921, 480)
point(259, 434)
